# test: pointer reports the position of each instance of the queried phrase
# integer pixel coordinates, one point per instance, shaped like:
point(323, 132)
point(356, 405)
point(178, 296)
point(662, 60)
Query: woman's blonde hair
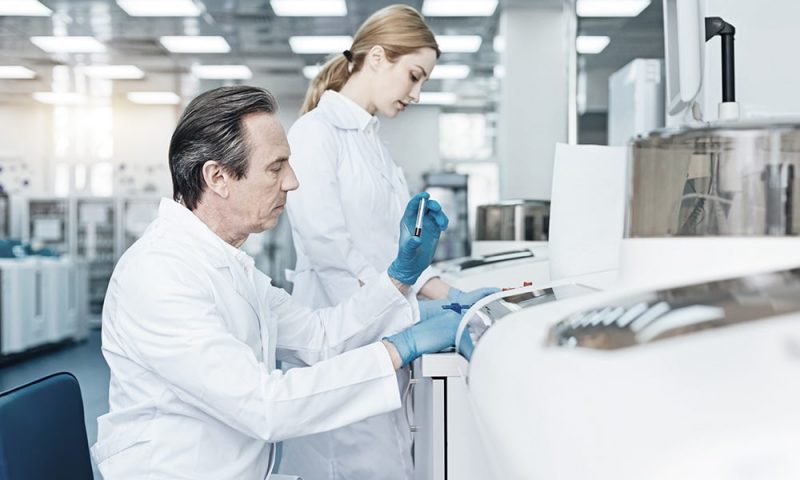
point(399, 29)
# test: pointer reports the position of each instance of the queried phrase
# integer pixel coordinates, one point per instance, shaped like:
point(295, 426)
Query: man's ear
point(375, 57)
point(216, 178)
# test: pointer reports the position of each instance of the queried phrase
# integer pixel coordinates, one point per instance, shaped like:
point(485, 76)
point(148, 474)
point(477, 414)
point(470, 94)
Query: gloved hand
point(432, 335)
point(431, 308)
point(414, 254)
point(468, 298)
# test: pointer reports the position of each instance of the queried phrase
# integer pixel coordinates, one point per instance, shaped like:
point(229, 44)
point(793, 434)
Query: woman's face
point(398, 83)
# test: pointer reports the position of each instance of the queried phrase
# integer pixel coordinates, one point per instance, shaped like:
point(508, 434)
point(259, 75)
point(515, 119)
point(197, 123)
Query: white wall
point(533, 113)
point(766, 63)
point(141, 135)
point(413, 140)
point(24, 146)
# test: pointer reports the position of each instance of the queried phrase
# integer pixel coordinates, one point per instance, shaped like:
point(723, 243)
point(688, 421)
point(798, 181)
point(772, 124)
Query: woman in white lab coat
point(344, 217)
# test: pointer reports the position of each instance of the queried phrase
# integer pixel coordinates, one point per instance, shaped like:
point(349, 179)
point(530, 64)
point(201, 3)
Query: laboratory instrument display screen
point(680, 311)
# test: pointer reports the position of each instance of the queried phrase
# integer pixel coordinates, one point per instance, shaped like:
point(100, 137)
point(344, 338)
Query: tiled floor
point(83, 360)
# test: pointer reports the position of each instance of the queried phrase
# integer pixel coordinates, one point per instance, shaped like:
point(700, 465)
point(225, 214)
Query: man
point(192, 331)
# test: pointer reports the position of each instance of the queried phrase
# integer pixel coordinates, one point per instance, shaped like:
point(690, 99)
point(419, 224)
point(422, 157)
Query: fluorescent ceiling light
point(499, 44)
point(59, 98)
point(459, 8)
point(222, 72)
point(611, 8)
point(459, 43)
point(195, 44)
point(450, 71)
point(319, 44)
point(437, 98)
point(590, 45)
point(68, 44)
point(114, 72)
point(499, 71)
point(311, 71)
point(160, 8)
point(309, 8)
point(16, 72)
point(23, 8)
point(154, 98)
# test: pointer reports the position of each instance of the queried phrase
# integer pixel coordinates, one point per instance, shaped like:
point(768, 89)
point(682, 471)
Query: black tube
point(717, 26)
point(728, 77)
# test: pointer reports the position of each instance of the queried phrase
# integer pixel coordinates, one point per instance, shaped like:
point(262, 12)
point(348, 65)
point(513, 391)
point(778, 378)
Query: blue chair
point(42, 431)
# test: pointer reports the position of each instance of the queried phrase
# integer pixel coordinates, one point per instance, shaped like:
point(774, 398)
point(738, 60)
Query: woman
point(344, 217)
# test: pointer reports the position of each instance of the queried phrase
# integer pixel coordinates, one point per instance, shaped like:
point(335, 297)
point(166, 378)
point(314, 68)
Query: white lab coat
point(345, 223)
point(191, 333)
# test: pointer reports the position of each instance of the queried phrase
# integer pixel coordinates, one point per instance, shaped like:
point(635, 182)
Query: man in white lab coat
point(192, 331)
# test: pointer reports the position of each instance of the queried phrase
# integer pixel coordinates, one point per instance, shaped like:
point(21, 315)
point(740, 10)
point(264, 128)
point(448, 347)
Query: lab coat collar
point(346, 114)
point(219, 251)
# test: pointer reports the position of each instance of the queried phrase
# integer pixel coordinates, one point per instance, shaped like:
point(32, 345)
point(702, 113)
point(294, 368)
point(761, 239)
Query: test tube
point(420, 213)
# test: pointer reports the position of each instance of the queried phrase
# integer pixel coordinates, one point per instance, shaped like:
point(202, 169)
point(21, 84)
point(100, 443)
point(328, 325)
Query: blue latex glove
point(430, 336)
point(468, 298)
point(430, 308)
point(414, 254)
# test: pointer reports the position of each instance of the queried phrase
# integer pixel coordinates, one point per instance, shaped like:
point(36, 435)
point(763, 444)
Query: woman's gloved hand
point(468, 298)
point(429, 336)
point(414, 254)
point(431, 308)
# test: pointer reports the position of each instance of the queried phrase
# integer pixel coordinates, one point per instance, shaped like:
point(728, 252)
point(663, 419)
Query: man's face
point(258, 198)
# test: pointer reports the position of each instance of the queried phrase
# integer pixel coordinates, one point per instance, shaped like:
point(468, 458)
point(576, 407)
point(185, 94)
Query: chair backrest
point(42, 431)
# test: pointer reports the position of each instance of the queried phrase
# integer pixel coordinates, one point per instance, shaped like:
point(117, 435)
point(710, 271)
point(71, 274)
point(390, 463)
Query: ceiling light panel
point(309, 8)
point(589, 45)
point(154, 98)
point(222, 72)
point(499, 44)
point(437, 98)
point(114, 72)
point(459, 43)
point(160, 8)
point(59, 98)
point(16, 72)
point(450, 72)
point(459, 8)
point(195, 44)
point(610, 8)
point(320, 44)
point(23, 8)
point(69, 44)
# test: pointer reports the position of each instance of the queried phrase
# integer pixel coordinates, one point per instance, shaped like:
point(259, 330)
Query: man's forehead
point(266, 126)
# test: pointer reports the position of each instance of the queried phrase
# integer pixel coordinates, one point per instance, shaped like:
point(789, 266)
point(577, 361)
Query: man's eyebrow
point(278, 160)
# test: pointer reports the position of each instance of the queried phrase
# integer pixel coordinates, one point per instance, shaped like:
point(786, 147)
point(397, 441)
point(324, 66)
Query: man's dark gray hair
point(211, 128)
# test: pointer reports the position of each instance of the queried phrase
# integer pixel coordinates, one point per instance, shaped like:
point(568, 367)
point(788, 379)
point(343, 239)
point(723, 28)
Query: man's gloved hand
point(430, 336)
point(468, 298)
point(414, 254)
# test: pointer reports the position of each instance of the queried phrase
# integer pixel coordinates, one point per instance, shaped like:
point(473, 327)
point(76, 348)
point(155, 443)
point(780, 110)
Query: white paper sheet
point(587, 210)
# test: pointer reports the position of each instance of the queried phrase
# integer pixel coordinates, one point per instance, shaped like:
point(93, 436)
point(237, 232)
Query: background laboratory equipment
point(513, 220)
point(450, 190)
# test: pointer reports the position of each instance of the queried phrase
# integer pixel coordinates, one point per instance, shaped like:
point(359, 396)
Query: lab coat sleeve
point(427, 274)
point(316, 213)
point(307, 336)
point(172, 326)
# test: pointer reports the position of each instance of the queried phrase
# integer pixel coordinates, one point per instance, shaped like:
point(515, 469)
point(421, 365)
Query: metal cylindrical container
point(728, 180)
